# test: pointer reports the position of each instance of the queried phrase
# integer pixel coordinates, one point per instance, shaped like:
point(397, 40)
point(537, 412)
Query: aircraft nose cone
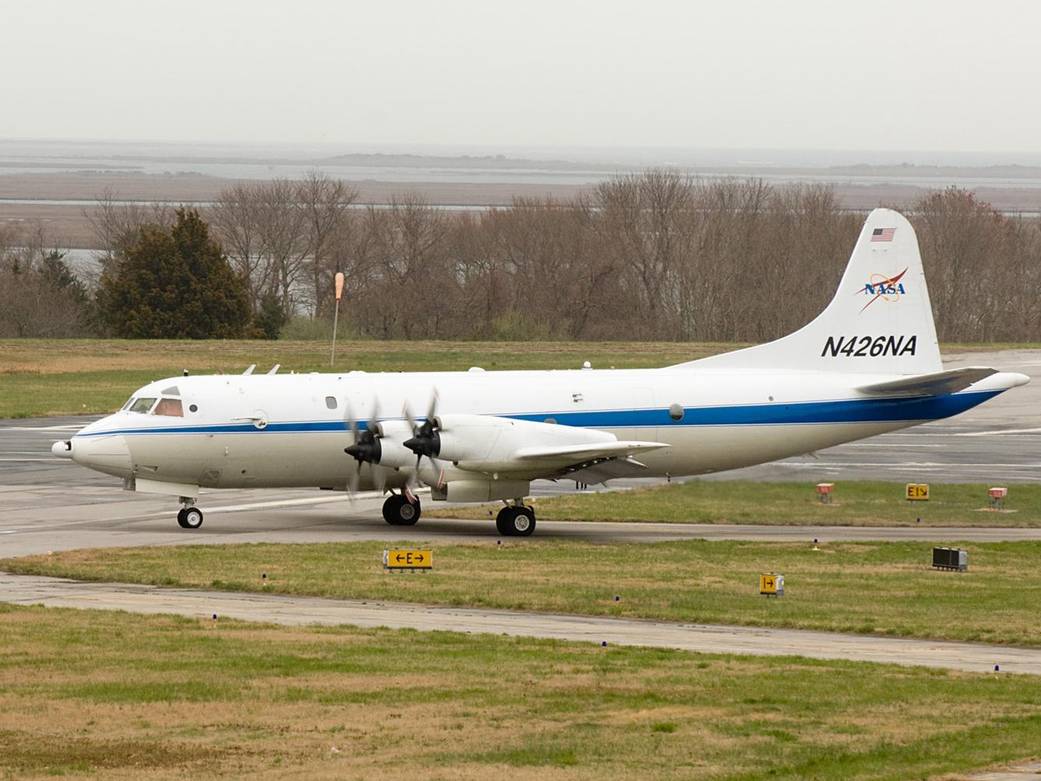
point(62, 449)
point(105, 453)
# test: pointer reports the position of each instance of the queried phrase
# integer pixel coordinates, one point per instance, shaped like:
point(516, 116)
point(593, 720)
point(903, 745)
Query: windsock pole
point(336, 314)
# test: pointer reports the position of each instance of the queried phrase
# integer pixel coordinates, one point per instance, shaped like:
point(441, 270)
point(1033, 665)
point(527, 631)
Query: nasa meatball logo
point(883, 287)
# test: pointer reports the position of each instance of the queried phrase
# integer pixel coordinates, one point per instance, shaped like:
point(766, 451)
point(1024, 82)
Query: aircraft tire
point(515, 521)
point(504, 521)
point(398, 511)
point(190, 518)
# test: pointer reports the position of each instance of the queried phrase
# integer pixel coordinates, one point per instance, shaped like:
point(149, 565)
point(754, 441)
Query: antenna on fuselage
point(274, 369)
point(249, 371)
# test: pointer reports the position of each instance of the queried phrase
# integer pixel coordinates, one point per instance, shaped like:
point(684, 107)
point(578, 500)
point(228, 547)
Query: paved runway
point(300, 611)
point(48, 503)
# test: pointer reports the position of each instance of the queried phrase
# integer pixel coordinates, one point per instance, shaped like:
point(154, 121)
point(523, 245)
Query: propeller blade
point(406, 410)
point(349, 421)
point(379, 479)
point(374, 418)
point(355, 479)
point(432, 409)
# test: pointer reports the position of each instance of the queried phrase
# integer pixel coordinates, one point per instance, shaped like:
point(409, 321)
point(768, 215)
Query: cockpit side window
point(127, 405)
point(142, 405)
point(169, 407)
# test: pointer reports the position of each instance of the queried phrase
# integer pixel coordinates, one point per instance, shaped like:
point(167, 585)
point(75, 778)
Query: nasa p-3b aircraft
point(868, 364)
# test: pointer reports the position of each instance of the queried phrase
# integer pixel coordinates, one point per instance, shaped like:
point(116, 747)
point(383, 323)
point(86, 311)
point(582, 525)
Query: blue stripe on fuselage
point(850, 411)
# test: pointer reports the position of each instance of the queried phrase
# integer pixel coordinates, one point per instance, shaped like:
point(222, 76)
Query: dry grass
point(89, 694)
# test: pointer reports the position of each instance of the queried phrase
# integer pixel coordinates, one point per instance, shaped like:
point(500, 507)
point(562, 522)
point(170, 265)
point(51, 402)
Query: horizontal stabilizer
point(585, 452)
point(933, 384)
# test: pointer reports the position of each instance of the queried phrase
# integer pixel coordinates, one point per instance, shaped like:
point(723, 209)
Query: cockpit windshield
point(142, 405)
point(165, 403)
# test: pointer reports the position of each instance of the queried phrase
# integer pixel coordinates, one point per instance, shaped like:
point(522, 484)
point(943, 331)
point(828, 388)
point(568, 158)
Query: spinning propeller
point(366, 446)
point(426, 439)
point(365, 449)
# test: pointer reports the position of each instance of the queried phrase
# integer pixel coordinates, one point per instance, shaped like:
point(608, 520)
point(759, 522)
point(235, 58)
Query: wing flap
point(585, 452)
point(932, 384)
point(602, 471)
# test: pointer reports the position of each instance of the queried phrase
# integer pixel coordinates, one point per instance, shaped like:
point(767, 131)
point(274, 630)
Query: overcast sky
point(878, 74)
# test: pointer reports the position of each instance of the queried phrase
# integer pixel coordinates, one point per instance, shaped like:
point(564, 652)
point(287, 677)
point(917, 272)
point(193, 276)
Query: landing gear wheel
point(515, 521)
point(399, 511)
point(189, 518)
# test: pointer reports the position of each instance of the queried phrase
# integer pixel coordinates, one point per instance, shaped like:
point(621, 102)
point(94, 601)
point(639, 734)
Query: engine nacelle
point(392, 453)
point(479, 490)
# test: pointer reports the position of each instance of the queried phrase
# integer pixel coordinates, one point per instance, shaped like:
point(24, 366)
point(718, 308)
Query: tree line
point(650, 256)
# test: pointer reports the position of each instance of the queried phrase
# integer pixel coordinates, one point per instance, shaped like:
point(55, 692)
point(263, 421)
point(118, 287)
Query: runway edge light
point(997, 496)
point(824, 491)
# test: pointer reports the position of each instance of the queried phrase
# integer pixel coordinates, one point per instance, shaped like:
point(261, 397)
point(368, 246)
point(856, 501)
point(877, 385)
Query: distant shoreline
point(24, 197)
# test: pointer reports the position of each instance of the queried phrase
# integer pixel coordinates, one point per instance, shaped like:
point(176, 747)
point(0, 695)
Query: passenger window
point(330, 402)
point(142, 405)
point(169, 407)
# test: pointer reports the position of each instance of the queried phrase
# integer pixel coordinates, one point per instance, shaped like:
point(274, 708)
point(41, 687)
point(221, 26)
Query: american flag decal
point(882, 234)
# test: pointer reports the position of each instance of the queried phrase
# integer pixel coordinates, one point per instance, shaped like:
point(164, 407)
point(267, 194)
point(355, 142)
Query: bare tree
point(39, 295)
point(326, 204)
point(236, 218)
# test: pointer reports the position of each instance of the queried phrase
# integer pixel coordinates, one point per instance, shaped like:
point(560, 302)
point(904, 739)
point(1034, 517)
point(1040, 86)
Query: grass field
point(856, 503)
point(69, 376)
point(90, 693)
point(882, 588)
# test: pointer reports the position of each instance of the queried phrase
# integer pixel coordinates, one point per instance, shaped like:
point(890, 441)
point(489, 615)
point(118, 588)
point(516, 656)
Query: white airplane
point(868, 364)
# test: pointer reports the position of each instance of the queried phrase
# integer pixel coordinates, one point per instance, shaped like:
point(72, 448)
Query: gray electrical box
point(951, 559)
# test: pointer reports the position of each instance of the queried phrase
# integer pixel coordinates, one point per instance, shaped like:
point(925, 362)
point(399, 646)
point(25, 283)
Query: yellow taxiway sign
point(407, 558)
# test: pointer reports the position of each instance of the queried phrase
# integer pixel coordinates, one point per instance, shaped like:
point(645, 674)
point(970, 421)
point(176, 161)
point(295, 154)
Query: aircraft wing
point(493, 445)
point(933, 384)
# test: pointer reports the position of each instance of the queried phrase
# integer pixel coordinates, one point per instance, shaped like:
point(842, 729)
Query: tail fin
point(879, 322)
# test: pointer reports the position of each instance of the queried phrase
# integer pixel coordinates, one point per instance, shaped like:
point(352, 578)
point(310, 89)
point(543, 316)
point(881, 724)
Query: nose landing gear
point(189, 516)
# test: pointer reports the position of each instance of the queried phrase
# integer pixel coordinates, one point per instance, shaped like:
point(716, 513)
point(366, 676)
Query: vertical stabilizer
point(879, 322)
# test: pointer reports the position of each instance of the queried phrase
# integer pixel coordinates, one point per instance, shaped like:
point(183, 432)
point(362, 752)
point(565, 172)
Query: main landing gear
point(516, 520)
point(189, 516)
point(399, 510)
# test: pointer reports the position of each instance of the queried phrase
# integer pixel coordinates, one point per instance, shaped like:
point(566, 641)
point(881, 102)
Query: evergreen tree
point(173, 283)
point(56, 271)
point(271, 316)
